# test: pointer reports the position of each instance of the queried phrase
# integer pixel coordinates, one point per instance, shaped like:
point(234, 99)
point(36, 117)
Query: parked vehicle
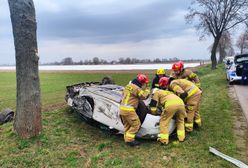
point(234, 73)
point(99, 104)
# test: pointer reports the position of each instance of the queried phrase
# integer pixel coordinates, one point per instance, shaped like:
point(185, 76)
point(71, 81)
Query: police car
point(234, 73)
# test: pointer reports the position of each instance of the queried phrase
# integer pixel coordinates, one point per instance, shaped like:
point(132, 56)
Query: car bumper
point(232, 76)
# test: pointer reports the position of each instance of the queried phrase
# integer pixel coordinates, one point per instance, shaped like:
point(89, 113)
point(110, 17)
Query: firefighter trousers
point(192, 109)
point(165, 119)
point(131, 124)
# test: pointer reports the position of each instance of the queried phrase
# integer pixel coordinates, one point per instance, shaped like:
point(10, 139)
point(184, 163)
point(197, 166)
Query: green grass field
point(66, 141)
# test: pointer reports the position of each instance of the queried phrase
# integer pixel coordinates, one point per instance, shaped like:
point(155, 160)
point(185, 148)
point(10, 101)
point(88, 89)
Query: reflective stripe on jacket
point(180, 86)
point(127, 108)
point(189, 75)
point(131, 96)
point(165, 99)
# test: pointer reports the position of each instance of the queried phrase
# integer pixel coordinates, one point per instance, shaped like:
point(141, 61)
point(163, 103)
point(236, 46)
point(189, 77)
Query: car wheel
point(107, 80)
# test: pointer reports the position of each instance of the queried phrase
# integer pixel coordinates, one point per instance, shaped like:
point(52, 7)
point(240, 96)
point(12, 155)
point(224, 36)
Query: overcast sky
point(108, 29)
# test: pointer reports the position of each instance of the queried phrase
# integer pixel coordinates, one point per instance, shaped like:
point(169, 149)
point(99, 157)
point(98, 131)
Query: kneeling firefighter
point(191, 95)
point(172, 104)
point(131, 95)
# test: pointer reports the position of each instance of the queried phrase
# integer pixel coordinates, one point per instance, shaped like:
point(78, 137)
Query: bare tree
point(225, 46)
point(121, 61)
point(128, 60)
point(215, 17)
point(96, 61)
point(67, 61)
point(242, 42)
point(28, 106)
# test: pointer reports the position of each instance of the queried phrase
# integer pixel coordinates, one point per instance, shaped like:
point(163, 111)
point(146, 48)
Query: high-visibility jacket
point(155, 82)
point(179, 86)
point(187, 74)
point(131, 96)
point(165, 99)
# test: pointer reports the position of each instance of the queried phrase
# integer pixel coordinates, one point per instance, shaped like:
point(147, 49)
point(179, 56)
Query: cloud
point(108, 29)
point(118, 22)
point(184, 47)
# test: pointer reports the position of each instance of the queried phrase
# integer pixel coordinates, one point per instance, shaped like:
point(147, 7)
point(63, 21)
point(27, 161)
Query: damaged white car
point(100, 103)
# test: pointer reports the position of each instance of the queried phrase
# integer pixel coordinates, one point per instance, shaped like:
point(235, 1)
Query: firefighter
point(131, 95)
point(191, 95)
point(159, 73)
point(179, 72)
point(172, 104)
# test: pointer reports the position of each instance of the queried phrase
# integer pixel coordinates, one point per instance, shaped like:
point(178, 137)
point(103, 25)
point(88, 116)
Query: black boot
point(133, 143)
point(197, 126)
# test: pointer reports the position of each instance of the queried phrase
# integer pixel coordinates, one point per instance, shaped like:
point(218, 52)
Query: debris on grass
point(228, 158)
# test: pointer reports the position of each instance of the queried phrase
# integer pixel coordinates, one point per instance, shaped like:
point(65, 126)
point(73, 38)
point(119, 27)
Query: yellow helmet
point(160, 71)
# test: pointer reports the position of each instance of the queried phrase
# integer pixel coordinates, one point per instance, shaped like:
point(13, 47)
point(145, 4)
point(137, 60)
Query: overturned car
point(99, 103)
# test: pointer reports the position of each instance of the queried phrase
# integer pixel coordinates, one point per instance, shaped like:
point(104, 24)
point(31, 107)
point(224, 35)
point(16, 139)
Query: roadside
point(66, 141)
point(239, 96)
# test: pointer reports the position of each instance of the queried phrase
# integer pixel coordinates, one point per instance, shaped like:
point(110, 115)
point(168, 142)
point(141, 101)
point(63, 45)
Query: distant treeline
point(97, 61)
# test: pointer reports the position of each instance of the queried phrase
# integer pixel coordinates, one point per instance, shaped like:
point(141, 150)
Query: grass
point(66, 141)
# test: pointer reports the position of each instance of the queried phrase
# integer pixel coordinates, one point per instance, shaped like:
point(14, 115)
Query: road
point(242, 95)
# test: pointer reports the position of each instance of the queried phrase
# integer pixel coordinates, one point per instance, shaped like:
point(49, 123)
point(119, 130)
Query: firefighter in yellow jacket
point(179, 72)
point(159, 74)
point(191, 95)
point(171, 104)
point(131, 95)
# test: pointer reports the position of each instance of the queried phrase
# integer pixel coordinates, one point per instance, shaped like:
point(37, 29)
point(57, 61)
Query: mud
point(240, 127)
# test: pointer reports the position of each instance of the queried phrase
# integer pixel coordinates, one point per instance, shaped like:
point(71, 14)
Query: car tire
point(107, 80)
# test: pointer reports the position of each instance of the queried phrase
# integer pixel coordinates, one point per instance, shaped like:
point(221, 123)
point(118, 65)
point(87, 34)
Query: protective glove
point(154, 90)
point(153, 110)
point(183, 95)
point(147, 90)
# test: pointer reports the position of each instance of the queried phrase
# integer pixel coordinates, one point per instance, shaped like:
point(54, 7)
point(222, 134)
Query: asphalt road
point(242, 95)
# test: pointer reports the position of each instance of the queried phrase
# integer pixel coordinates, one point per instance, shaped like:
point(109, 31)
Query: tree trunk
point(222, 53)
point(220, 61)
point(28, 106)
point(213, 52)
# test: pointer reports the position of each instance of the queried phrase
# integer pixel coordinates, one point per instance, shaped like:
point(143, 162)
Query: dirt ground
point(240, 127)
